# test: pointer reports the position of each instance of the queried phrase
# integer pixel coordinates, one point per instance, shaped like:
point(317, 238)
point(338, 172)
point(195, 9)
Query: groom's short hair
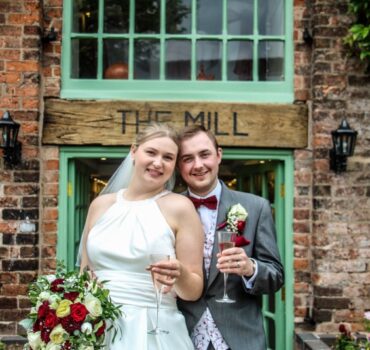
point(192, 130)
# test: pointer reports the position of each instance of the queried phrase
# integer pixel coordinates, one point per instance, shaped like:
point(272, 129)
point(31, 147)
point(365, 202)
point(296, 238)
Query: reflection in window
point(84, 58)
point(240, 60)
point(178, 59)
point(178, 16)
point(85, 16)
point(147, 16)
point(271, 17)
point(115, 59)
point(116, 16)
point(208, 60)
point(271, 60)
point(240, 17)
point(209, 16)
point(146, 59)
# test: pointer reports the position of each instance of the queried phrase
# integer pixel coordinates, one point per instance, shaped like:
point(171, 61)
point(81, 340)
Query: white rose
point(34, 340)
point(58, 334)
point(50, 278)
point(238, 211)
point(54, 301)
point(44, 296)
point(52, 346)
point(93, 305)
point(367, 315)
point(86, 328)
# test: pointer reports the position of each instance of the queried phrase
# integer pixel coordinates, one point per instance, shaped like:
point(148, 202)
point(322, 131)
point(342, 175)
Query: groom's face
point(199, 163)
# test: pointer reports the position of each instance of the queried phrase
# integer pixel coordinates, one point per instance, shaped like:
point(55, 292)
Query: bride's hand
point(167, 272)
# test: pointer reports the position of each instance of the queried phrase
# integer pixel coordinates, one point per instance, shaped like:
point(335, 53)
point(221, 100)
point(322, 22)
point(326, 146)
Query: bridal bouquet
point(69, 311)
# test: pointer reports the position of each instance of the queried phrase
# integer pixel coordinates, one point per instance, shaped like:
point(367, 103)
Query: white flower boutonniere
point(236, 219)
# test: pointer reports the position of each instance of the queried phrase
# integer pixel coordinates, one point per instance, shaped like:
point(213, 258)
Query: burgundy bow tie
point(210, 202)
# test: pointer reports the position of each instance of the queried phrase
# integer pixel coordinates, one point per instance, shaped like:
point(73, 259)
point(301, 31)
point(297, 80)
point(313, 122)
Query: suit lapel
point(224, 205)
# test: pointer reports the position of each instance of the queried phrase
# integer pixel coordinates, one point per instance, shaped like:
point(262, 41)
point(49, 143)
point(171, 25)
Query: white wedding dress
point(118, 248)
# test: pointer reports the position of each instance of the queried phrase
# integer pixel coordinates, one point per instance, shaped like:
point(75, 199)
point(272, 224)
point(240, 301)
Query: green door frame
point(65, 232)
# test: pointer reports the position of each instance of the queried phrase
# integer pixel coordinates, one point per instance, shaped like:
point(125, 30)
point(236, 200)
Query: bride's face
point(155, 160)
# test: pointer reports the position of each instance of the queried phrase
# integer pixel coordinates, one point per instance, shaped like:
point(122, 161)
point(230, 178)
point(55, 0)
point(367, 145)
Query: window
point(223, 50)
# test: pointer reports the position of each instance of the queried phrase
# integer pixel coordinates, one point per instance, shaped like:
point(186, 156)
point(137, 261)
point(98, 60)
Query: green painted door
point(266, 180)
point(79, 199)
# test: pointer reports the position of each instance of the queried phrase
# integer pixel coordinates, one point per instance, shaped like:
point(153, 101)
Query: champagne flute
point(226, 240)
point(158, 288)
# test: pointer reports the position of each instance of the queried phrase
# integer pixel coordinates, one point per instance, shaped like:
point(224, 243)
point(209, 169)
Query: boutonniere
point(236, 218)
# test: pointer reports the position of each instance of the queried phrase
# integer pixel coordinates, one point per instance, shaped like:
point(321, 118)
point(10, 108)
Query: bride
point(124, 227)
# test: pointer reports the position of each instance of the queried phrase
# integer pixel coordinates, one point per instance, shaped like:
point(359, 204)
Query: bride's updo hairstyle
point(156, 130)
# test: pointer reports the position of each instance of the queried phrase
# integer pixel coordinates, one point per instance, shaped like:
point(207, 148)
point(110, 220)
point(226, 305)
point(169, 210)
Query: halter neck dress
point(118, 247)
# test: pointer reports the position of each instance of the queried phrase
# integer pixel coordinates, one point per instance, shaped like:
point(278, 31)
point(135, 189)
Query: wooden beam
point(75, 122)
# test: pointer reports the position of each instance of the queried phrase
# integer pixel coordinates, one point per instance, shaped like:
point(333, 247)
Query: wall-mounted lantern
point(344, 140)
point(8, 139)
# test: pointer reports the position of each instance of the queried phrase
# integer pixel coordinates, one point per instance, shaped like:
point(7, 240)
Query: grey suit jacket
point(241, 323)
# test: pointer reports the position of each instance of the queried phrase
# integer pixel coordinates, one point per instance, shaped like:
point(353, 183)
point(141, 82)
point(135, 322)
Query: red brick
point(30, 102)
point(23, 19)
point(23, 66)
point(50, 214)
point(49, 227)
point(14, 289)
point(51, 189)
point(10, 78)
point(10, 30)
point(52, 165)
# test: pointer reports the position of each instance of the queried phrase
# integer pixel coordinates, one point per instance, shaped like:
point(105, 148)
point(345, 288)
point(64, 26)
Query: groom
point(254, 265)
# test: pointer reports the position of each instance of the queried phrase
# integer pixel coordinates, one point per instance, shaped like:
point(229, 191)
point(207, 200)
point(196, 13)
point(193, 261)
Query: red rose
point(241, 241)
point(51, 320)
point(57, 285)
point(100, 330)
point(67, 346)
point(37, 326)
point(78, 312)
point(240, 225)
point(71, 295)
point(43, 310)
point(45, 335)
point(69, 324)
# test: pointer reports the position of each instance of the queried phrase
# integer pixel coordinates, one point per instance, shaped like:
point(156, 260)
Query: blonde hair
point(155, 130)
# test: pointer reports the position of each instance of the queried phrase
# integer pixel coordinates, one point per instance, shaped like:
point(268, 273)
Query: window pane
point(84, 58)
point(271, 60)
point(271, 17)
point(208, 60)
point(115, 59)
point(240, 17)
point(85, 16)
point(178, 16)
point(240, 60)
point(209, 16)
point(146, 59)
point(178, 56)
point(147, 16)
point(116, 16)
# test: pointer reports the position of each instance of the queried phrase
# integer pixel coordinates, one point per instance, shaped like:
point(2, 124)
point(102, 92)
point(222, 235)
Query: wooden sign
point(75, 122)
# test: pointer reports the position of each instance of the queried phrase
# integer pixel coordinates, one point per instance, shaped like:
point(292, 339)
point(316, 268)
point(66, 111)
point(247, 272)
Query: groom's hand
point(235, 260)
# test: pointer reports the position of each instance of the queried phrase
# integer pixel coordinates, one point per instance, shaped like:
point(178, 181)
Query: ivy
point(358, 37)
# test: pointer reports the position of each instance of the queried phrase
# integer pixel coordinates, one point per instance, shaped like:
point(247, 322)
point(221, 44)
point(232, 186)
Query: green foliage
point(358, 38)
point(346, 341)
point(2, 346)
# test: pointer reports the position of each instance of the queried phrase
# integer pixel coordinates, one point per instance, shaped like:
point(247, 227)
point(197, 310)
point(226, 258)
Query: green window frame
point(192, 89)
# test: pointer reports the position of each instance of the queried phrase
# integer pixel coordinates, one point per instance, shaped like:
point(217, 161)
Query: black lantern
point(344, 140)
point(8, 139)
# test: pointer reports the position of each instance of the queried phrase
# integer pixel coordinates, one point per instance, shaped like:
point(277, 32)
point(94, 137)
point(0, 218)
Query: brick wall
point(20, 87)
point(332, 211)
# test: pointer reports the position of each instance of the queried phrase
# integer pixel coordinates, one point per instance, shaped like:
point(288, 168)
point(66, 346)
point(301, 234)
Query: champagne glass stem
point(226, 275)
point(159, 300)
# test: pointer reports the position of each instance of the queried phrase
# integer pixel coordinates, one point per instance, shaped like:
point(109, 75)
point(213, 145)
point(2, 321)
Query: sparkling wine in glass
point(158, 288)
point(226, 240)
